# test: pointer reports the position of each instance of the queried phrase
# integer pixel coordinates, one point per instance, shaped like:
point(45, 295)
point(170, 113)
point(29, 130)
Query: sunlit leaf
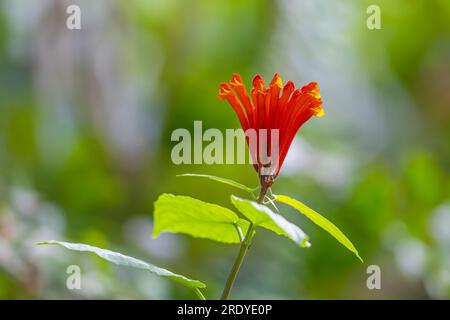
point(182, 214)
point(319, 220)
point(219, 179)
point(262, 216)
point(123, 260)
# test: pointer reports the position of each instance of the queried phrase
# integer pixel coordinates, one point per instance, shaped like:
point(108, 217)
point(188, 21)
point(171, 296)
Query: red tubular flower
point(276, 107)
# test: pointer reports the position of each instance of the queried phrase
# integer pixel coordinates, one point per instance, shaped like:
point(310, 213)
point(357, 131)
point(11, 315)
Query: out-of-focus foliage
point(86, 118)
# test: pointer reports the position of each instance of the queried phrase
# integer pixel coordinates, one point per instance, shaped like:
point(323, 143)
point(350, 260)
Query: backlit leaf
point(182, 214)
point(262, 216)
point(123, 260)
point(319, 220)
point(219, 179)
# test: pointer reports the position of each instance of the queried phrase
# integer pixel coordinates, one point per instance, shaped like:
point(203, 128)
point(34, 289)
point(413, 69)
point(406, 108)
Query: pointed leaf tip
point(219, 179)
point(123, 260)
point(321, 221)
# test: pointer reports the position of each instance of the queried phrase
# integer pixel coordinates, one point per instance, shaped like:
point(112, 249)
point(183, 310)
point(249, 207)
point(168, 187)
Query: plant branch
point(245, 244)
point(199, 294)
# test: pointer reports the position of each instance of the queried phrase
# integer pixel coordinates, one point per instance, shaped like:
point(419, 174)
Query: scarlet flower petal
point(258, 95)
point(238, 85)
point(225, 92)
point(266, 109)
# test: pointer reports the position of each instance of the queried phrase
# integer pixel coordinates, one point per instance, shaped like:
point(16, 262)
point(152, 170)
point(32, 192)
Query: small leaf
point(181, 214)
point(219, 179)
point(123, 260)
point(262, 216)
point(319, 220)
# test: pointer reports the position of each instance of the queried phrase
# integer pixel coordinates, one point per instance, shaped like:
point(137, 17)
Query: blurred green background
point(85, 123)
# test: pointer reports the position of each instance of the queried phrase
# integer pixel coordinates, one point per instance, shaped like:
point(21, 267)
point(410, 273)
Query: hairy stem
point(245, 244)
point(262, 193)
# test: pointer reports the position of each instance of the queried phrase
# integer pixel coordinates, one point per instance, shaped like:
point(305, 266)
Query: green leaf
point(181, 214)
point(219, 179)
point(123, 260)
point(319, 220)
point(262, 216)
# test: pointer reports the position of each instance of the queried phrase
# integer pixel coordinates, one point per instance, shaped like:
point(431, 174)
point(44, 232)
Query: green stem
point(245, 244)
point(199, 294)
point(238, 262)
